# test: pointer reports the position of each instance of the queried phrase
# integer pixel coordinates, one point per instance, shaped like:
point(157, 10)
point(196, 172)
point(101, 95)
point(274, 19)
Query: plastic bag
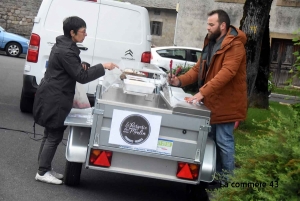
point(111, 77)
point(80, 98)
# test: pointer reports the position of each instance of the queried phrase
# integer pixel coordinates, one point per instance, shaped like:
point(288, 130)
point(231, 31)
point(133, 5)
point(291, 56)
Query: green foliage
point(296, 107)
point(271, 160)
point(270, 83)
point(192, 88)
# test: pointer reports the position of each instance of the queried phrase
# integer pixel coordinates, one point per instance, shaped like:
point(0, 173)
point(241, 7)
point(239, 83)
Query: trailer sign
point(136, 130)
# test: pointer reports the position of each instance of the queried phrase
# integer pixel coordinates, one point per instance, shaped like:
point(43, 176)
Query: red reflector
point(146, 56)
point(33, 48)
point(187, 171)
point(100, 158)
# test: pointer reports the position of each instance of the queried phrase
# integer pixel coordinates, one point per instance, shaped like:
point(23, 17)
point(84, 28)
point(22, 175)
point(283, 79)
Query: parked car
point(13, 44)
point(181, 56)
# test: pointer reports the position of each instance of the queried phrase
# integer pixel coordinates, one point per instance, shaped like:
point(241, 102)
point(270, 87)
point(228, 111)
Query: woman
point(54, 96)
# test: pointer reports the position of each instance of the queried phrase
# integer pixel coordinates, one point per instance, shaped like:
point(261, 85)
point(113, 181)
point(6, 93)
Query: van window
point(58, 12)
point(119, 25)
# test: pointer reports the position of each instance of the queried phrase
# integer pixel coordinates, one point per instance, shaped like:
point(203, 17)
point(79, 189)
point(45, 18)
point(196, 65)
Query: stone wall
point(192, 19)
point(17, 16)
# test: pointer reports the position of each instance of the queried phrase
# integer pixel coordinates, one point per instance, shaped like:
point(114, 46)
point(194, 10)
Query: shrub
point(192, 88)
point(270, 161)
point(296, 107)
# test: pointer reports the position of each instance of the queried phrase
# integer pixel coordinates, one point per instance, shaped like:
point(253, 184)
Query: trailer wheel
point(197, 192)
point(72, 173)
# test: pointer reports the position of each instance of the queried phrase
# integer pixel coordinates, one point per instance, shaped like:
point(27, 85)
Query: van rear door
point(121, 35)
point(53, 27)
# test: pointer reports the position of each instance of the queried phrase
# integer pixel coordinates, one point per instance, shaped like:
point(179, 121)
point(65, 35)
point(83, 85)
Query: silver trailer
point(156, 135)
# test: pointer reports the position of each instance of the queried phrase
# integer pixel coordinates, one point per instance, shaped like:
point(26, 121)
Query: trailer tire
point(197, 192)
point(72, 173)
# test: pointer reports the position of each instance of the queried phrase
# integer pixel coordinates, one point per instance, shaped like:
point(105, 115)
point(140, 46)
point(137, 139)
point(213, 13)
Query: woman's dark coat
point(54, 96)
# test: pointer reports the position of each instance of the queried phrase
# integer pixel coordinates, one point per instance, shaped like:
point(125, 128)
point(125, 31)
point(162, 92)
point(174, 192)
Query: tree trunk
point(255, 23)
point(260, 93)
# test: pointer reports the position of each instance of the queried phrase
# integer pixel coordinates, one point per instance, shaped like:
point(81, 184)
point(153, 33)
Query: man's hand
point(174, 81)
point(195, 99)
point(110, 66)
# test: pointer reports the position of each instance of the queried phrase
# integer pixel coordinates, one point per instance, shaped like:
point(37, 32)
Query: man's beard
point(214, 35)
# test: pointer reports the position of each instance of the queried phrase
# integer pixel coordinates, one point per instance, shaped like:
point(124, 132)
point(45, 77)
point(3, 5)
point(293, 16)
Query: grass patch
point(286, 91)
point(255, 116)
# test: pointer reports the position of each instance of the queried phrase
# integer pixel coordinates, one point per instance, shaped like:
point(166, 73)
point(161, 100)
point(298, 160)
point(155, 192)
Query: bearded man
point(221, 76)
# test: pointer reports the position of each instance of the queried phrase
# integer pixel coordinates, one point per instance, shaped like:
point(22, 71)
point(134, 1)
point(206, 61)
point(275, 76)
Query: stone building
point(162, 14)
point(17, 16)
point(284, 20)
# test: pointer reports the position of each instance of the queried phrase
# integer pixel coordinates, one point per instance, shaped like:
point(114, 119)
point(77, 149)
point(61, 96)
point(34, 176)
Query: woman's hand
point(110, 66)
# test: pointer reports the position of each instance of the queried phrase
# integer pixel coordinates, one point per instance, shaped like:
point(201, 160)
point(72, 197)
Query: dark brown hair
point(222, 17)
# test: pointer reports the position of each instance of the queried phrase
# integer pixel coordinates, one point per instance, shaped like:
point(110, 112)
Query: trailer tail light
point(146, 56)
point(33, 49)
point(188, 171)
point(100, 158)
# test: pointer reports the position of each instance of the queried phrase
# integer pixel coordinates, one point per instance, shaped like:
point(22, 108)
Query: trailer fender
point(78, 140)
point(209, 162)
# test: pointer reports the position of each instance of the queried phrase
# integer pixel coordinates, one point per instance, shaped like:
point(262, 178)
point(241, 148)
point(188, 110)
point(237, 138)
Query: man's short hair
point(73, 23)
point(222, 16)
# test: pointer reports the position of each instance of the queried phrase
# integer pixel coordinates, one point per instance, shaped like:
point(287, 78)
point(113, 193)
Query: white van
point(116, 32)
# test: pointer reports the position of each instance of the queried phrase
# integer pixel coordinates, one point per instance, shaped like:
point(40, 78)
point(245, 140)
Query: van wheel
point(197, 192)
point(13, 49)
point(26, 104)
point(72, 173)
